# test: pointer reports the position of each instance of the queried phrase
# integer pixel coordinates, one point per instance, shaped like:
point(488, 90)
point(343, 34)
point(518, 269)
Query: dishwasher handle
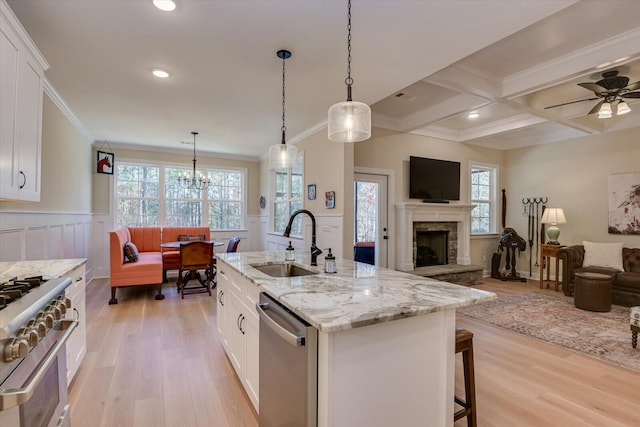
point(295, 339)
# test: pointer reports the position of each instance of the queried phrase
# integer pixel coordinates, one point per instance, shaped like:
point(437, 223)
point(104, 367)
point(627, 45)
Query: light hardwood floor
point(160, 363)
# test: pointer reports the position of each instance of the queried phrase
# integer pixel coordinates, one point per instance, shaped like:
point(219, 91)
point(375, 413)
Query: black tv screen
point(434, 180)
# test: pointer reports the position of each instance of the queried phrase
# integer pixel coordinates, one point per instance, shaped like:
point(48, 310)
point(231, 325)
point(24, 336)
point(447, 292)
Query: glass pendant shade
point(349, 121)
point(282, 156)
point(605, 111)
point(623, 108)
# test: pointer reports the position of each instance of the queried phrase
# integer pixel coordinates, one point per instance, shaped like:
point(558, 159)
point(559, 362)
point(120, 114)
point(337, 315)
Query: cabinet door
point(8, 84)
point(221, 312)
point(28, 129)
point(77, 343)
point(238, 341)
point(252, 336)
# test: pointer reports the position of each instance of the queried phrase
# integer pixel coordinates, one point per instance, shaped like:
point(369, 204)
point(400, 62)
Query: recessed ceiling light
point(473, 115)
point(160, 73)
point(166, 5)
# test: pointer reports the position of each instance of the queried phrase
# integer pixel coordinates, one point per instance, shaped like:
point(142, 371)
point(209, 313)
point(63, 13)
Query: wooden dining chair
point(195, 257)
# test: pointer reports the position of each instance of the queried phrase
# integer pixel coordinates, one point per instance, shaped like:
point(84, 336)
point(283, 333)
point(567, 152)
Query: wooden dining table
point(177, 244)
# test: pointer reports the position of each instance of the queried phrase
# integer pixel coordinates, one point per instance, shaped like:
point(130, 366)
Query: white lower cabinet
point(239, 326)
point(76, 346)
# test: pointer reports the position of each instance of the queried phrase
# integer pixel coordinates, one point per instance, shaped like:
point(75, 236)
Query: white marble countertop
point(357, 295)
point(47, 268)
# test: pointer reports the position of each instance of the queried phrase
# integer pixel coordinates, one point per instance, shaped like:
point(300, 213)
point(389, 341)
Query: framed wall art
point(105, 162)
point(624, 203)
point(330, 199)
point(311, 192)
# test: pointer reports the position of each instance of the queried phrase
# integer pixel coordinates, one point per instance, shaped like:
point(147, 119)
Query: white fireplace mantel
point(408, 213)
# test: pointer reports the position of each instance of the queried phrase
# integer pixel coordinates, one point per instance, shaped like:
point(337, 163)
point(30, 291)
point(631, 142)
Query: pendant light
point(194, 182)
point(282, 155)
point(349, 121)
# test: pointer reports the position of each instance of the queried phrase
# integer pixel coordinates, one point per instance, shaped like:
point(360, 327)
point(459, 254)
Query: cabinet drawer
point(77, 277)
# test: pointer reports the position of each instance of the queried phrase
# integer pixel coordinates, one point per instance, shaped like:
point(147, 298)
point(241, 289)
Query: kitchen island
point(386, 339)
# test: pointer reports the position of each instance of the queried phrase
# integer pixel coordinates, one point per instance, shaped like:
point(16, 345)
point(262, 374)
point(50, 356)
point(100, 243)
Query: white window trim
point(161, 205)
point(272, 195)
point(495, 181)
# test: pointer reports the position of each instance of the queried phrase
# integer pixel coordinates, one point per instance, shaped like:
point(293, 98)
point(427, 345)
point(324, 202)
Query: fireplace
point(452, 220)
point(434, 243)
point(432, 248)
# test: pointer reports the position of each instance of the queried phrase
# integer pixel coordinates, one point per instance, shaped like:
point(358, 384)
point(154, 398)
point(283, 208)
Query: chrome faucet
point(314, 249)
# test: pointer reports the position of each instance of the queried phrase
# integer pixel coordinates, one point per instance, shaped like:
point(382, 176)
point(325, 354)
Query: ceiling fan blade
point(632, 86)
point(596, 108)
point(571, 102)
point(593, 87)
point(631, 95)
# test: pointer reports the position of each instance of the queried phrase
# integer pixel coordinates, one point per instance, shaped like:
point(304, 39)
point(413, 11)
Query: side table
point(546, 253)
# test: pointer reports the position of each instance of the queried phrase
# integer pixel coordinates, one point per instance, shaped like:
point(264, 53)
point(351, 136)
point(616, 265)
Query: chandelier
point(194, 182)
point(349, 121)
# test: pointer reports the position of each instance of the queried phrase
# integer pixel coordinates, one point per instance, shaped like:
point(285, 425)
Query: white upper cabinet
point(22, 69)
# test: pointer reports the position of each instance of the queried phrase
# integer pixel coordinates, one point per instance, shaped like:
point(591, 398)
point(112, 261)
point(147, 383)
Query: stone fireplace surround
point(408, 213)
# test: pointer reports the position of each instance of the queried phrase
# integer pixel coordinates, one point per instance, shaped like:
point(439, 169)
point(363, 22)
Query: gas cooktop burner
point(14, 289)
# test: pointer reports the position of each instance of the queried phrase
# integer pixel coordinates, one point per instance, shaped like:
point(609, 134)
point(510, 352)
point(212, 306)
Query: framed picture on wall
point(311, 191)
point(105, 162)
point(330, 199)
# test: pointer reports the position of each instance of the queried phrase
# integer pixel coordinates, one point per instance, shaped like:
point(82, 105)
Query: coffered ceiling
point(505, 60)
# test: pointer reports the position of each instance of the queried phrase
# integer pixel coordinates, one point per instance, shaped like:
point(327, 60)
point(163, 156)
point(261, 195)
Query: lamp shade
point(349, 121)
point(553, 216)
point(623, 108)
point(282, 156)
point(605, 111)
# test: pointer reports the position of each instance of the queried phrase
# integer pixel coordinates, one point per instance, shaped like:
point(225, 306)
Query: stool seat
point(464, 345)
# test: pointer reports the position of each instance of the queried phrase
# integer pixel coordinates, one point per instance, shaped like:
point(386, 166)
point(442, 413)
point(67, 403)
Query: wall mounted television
point(433, 180)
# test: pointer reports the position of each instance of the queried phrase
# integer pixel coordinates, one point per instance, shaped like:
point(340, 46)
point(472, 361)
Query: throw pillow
point(131, 252)
point(606, 255)
point(190, 237)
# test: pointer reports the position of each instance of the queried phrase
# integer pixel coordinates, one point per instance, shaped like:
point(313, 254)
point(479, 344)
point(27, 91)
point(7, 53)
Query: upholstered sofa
point(626, 284)
point(147, 270)
point(171, 257)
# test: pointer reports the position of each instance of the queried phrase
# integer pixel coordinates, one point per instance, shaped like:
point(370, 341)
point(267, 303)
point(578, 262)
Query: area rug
point(555, 320)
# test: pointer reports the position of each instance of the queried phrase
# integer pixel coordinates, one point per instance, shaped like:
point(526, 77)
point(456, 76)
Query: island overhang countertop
point(357, 295)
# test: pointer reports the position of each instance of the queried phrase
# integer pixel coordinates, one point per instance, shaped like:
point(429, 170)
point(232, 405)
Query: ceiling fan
point(609, 89)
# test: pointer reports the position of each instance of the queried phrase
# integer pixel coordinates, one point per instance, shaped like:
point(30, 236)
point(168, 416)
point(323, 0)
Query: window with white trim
point(149, 195)
point(288, 186)
point(484, 196)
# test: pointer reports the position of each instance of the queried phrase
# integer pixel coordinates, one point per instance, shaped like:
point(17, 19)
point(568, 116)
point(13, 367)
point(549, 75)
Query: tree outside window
point(289, 185)
point(483, 195)
point(150, 195)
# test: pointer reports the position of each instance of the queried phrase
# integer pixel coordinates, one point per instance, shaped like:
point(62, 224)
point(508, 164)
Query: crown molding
point(62, 106)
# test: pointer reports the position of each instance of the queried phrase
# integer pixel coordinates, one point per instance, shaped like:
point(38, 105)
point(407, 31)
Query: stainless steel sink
point(282, 269)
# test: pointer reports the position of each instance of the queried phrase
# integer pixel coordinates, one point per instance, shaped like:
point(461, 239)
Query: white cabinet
point(239, 326)
point(77, 343)
point(21, 80)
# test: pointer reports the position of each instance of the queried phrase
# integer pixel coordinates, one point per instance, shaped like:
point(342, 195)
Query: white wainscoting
point(26, 236)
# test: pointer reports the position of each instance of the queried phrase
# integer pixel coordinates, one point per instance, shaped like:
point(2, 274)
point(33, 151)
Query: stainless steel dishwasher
point(288, 367)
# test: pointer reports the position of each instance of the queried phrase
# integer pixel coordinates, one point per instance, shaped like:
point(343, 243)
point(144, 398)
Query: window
point(225, 200)
point(288, 198)
point(149, 195)
point(483, 195)
point(137, 195)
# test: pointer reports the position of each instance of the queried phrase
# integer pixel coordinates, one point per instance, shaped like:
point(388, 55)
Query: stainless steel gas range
point(35, 322)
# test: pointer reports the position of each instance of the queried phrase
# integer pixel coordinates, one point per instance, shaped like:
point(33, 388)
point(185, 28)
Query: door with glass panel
point(370, 216)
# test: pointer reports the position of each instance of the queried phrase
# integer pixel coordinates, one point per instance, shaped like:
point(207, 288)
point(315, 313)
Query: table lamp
point(553, 216)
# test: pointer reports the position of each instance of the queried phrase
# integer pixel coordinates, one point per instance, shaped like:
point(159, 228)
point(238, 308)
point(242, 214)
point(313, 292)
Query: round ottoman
point(593, 291)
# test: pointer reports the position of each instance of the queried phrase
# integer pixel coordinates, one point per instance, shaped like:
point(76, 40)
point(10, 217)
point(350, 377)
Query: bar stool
point(464, 344)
